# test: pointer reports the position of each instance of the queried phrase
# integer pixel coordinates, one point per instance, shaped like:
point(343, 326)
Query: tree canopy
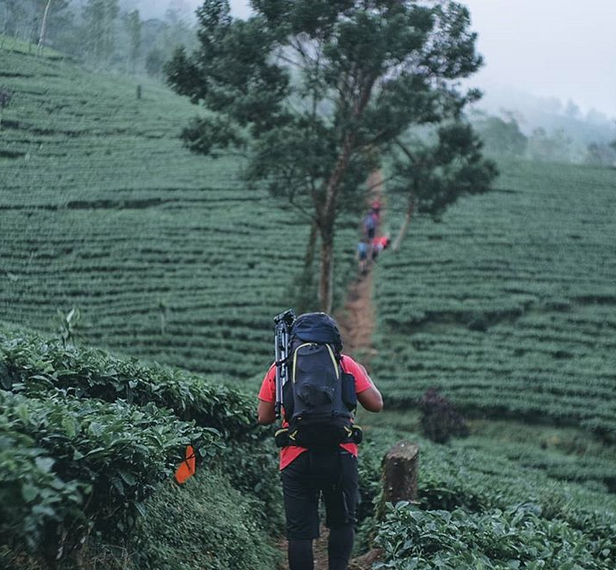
point(315, 93)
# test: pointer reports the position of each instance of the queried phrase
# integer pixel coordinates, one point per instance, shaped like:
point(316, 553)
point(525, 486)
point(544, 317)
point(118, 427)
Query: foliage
point(105, 33)
point(204, 524)
point(550, 147)
point(514, 538)
point(252, 469)
point(501, 137)
point(32, 495)
point(91, 466)
point(5, 97)
point(316, 93)
point(509, 314)
point(476, 480)
point(107, 211)
point(434, 176)
point(35, 366)
point(67, 325)
point(598, 154)
point(440, 420)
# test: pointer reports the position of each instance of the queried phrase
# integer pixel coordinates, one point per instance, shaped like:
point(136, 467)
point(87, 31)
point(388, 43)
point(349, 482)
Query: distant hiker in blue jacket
point(363, 251)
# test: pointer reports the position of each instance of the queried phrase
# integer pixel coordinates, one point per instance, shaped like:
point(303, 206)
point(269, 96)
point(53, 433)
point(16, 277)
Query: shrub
point(204, 524)
point(496, 540)
point(36, 366)
point(73, 466)
point(440, 421)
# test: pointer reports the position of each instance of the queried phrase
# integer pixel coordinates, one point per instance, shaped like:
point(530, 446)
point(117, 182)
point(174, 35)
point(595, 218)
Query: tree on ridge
point(316, 93)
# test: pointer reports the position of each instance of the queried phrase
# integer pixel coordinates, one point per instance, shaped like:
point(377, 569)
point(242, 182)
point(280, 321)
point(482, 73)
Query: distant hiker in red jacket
point(326, 468)
point(378, 245)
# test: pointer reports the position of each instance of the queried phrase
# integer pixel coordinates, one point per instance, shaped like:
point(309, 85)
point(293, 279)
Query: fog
point(157, 8)
point(543, 49)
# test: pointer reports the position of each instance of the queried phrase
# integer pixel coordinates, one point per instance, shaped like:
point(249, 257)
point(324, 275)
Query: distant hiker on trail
point(376, 210)
point(315, 389)
point(378, 245)
point(370, 224)
point(363, 249)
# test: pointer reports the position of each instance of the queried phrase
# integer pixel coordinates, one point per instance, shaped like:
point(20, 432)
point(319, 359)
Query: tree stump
point(400, 467)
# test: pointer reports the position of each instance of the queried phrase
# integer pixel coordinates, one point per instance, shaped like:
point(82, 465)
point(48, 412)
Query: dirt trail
point(356, 318)
point(356, 323)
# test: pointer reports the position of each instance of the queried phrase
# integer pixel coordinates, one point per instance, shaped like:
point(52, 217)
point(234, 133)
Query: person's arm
point(371, 399)
point(368, 394)
point(266, 412)
point(266, 409)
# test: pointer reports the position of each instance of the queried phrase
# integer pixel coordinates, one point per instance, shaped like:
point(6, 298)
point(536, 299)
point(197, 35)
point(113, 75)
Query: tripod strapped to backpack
point(283, 323)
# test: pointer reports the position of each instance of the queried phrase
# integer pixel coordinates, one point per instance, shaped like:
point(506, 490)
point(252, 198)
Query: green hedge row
point(70, 467)
point(35, 366)
point(495, 540)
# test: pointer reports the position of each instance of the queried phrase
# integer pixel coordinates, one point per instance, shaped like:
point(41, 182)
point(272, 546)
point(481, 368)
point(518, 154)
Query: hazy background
point(562, 49)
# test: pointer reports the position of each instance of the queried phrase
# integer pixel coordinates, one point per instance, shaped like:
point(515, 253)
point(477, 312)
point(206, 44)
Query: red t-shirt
point(267, 393)
point(380, 242)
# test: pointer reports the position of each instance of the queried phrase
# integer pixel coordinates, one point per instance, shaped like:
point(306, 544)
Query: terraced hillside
point(509, 304)
point(102, 208)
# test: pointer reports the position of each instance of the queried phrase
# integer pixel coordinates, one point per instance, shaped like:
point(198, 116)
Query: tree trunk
point(326, 280)
point(405, 225)
point(326, 212)
point(400, 468)
point(310, 248)
point(43, 34)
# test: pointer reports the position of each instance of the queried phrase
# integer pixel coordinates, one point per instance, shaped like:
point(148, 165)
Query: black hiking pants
point(311, 476)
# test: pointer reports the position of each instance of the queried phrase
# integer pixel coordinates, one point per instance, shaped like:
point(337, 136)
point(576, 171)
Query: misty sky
point(549, 48)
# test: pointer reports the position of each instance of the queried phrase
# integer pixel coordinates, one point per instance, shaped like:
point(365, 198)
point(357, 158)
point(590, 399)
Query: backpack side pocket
point(349, 396)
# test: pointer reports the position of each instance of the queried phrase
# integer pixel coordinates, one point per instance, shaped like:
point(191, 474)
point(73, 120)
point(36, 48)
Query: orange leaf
point(187, 468)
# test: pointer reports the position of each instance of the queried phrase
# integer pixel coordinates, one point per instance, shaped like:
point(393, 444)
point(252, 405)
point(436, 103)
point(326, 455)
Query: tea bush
point(37, 366)
point(87, 465)
point(204, 524)
point(494, 540)
point(505, 306)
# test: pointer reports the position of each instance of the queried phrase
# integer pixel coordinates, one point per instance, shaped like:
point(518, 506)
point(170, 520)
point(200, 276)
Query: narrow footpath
point(356, 321)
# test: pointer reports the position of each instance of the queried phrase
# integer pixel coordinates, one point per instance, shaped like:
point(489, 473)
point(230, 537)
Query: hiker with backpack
point(315, 389)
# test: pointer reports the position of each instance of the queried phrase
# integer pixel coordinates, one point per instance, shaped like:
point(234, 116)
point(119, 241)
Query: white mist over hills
point(544, 58)
point(157, 8)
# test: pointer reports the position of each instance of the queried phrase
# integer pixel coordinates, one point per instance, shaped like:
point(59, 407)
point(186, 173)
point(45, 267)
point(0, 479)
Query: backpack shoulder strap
point(332, 353)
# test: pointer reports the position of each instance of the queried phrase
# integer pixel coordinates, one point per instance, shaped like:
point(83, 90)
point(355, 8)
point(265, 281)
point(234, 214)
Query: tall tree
point(14, 14)
point(434, 175)
point(316, 92)
point(133, 26)
point(43, 32)
point(100, 22)
point(48, 9)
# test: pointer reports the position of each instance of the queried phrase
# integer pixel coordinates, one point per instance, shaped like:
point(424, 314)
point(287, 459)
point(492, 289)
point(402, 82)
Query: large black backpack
point(319, 398)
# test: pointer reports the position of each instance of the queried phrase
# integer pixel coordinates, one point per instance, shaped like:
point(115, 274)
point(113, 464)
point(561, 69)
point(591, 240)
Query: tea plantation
point(167, 255)
point(507, 305)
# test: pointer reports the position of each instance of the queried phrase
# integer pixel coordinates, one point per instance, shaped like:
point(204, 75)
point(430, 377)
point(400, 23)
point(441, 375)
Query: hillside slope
point(167, 254)
point(509, 304)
